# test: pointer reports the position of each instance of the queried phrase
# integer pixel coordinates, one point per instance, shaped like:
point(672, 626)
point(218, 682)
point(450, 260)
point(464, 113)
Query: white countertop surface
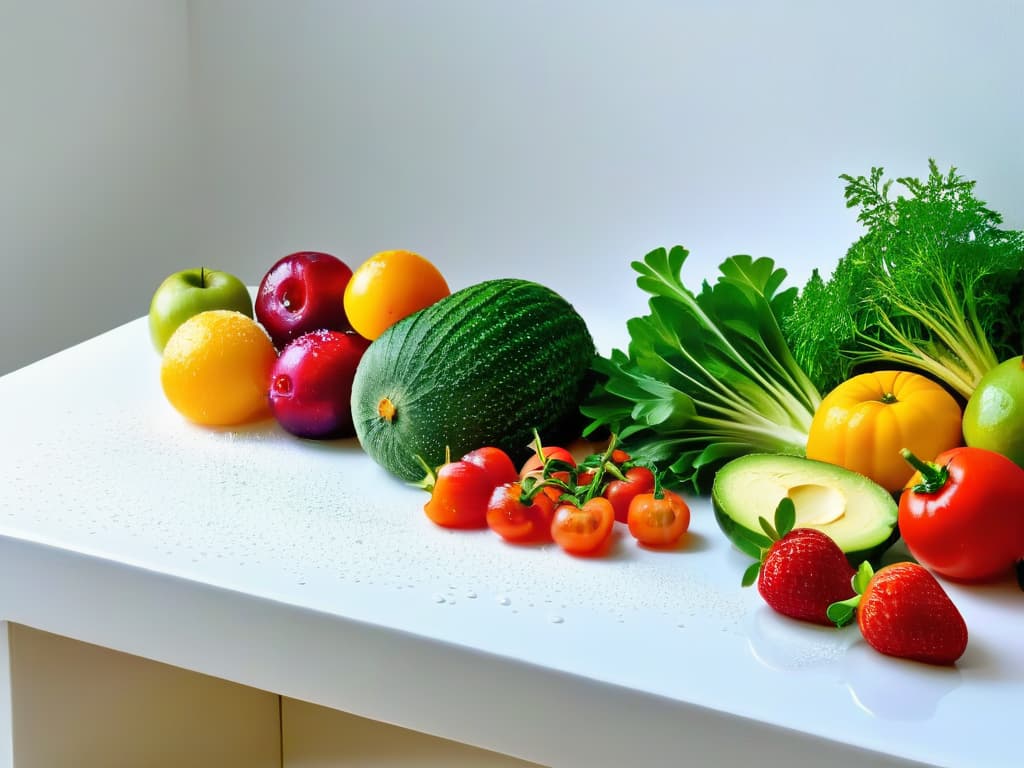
point(302, 568)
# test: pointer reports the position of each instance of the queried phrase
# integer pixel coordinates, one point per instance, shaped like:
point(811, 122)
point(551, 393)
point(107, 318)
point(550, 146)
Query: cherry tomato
point(460, 495)
point(518, 521)
point(583, 530)
point(534, 465)
point(962, 514)
point(619, 456)
point(621, 492)
point(496, 463)
point(534, 468)
point(658, 522)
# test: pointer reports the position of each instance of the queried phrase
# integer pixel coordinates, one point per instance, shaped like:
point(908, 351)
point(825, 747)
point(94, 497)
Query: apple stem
point(202, 277)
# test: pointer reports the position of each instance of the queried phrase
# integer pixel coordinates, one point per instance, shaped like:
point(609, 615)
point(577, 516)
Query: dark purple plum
point(311, 384)
point(303, 292)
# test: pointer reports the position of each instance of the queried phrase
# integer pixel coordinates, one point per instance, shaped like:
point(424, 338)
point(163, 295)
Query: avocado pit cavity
point(816, 504)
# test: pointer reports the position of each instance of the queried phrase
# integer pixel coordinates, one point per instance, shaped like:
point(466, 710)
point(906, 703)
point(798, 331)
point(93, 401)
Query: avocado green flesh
point(855, 512)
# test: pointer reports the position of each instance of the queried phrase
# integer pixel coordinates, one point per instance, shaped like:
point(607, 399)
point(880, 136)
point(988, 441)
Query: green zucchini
point(484, 366)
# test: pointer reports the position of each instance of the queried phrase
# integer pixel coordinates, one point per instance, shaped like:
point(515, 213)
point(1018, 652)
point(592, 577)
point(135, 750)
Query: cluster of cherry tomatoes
point(552, 497)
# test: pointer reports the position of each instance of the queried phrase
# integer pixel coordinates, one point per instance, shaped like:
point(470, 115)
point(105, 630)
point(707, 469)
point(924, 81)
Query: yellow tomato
point(389, 286)
point(863, 423)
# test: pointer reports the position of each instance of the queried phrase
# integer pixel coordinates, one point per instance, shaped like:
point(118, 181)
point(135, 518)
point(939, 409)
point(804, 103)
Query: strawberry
point(903, 611)
point(802, 572)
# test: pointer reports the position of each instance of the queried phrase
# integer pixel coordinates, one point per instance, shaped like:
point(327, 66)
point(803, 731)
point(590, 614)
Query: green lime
point(994, 416)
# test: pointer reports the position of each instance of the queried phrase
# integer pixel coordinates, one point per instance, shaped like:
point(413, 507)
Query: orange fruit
point(216, 368)
point(388, 286)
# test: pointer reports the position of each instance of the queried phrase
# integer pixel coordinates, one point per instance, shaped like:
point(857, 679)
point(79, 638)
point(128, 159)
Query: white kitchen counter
point(303, 569)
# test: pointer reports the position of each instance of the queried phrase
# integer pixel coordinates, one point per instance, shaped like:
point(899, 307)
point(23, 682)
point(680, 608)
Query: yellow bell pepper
point(864, 422)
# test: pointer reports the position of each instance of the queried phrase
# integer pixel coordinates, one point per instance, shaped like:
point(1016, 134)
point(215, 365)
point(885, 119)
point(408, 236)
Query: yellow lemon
point(216, 369)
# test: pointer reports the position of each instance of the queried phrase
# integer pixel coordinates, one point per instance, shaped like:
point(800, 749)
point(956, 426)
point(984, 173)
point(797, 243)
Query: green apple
point(994, 416)
point(190, 292)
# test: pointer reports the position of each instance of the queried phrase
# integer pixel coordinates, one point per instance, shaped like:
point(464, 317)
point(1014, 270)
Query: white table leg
point(75, 705)
point(318, 737)
point(6, 727)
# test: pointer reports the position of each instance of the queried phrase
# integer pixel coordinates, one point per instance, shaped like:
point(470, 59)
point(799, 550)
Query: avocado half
point(857, 514)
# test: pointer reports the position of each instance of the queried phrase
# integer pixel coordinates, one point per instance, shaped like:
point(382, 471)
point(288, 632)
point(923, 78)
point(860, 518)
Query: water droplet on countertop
point(471, 595)
point(556, 619)
point(504, 601)
point(439, 599)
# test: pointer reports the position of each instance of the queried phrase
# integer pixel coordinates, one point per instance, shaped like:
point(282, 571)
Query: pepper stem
point(933, 477)
point(429, 478)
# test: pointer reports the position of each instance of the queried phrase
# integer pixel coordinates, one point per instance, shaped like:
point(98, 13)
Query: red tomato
point(583, 530)
point(962, 514)
point(619, 456)
point(496, 462)
point(658, 522)
point(534, 467)
point(621, 492)
point(460, 495)
point(518, 521)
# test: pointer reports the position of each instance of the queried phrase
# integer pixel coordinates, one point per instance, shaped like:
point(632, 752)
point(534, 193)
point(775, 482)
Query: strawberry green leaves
point(844, 611)
point(785, 519)
point(707, 376)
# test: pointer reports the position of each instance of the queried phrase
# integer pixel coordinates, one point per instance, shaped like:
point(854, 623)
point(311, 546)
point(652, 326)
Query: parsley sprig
point(934, 285)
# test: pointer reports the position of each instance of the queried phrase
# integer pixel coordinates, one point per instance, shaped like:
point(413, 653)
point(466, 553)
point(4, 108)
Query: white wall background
point(556, 141)
point(94, 165)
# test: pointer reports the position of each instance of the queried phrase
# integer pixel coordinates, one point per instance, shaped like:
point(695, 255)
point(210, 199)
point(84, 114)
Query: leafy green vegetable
point(934, 285)
point(707, 376)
